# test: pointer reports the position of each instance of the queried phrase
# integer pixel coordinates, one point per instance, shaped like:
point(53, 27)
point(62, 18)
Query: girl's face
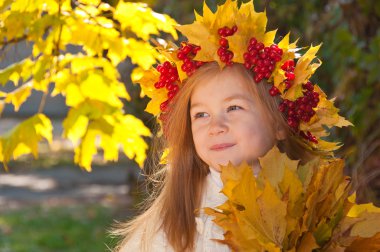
point(227, 123)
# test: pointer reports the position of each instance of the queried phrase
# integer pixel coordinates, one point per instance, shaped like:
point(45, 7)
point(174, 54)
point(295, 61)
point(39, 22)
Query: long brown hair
point(179, 185)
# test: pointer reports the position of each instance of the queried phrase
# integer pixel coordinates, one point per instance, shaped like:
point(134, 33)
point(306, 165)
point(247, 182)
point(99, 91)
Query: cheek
point(257, 136)
point(197, 137)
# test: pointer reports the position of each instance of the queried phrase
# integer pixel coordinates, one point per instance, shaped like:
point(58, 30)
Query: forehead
point(221, 85)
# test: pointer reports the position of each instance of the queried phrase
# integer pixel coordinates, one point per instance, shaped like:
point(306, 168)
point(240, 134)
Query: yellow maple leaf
point(326, 115)
point(157, 95)
point(303, 70)
point(142, 20)
point(303, 207)
point(18, 96)
point(24, 138)
point(92, 120)
point(358, 209)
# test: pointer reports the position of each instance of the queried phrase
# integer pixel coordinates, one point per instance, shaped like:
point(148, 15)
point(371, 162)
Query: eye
point(233, 107)
point(200, 115)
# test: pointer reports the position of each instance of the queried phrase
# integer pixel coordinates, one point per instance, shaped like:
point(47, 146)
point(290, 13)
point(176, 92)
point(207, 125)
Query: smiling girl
point(227, 108)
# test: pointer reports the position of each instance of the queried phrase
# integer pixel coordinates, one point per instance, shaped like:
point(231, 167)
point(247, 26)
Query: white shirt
point(206, 228)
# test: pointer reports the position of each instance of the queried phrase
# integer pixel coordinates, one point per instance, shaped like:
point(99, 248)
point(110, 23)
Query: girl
point(205, 129)
point(218, 112)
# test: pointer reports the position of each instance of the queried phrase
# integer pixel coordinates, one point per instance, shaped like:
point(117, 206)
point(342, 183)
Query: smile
point(220, 147)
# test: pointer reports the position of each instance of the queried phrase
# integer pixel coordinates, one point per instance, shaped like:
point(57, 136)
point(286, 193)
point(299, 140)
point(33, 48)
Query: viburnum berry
point(302, 109)
point(288, 67)
point(186, 53)
point(224, 54)
point(308, 136)
point(274, 91)
point(223, 42)
point(261, 59)
point(168, 78)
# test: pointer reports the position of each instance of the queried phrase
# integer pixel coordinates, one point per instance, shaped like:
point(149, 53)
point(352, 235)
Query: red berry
point(266, 62)
point(221, 31)
point(181, 55)
point(175, 88)
point(259, 46)
point(184, 68)
point(279, 51)
point(254, 61)
point(263, 55)
point(229, 32)
point(257, 79)
point(196, 49)
point(288, 84)
point(167, 64)
point(234, 28)
point(169, 86)
point(290, 75)
point(173, 78)
point(253, 41)
point(171, 94)
point(221, 51)
point(186, 49)
point(199, 63)
point(246, 56)
point(282, 107)
point(247, 65)
point(274, 91)
point(277, 58)
point(189, 65)
point(224, 58)
point(223, 42)
point(230, 55)
point(291, 104)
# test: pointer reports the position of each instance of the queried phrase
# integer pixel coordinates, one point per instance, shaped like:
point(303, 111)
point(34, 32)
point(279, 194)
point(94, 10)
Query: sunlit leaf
point(24, 138)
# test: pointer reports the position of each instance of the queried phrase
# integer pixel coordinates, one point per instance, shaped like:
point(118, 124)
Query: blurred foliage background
point(350, 33)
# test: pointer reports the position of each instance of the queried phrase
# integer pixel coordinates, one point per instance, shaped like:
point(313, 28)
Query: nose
point(217, 125)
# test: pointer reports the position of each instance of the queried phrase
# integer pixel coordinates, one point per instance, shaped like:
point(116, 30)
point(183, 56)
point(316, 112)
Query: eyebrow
point(229, 98)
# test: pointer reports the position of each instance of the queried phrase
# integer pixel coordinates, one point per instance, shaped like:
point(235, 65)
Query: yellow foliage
point(89, 80)
point(18, 96)
point(292, 207)
point(142, 21)
point(93, 120)
point(303, 70)
point(24, 138)
point(204, 30)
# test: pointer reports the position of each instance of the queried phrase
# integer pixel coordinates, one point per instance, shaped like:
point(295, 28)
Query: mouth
point(220, 147)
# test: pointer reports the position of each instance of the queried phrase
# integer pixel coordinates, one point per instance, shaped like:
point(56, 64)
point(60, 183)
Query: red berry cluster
point(168, 79)
point(224, 54)
point(288, 67)
point(261, 59)
point(301, 109)
point(186, 53)
point(308, 136)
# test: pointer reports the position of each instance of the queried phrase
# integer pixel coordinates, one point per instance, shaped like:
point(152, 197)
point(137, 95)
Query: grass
point(69, 229)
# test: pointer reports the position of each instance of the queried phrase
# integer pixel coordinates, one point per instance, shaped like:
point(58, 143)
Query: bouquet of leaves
point(294, 207)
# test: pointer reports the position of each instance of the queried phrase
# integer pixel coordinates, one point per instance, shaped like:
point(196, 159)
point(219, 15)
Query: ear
point(280, 133)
